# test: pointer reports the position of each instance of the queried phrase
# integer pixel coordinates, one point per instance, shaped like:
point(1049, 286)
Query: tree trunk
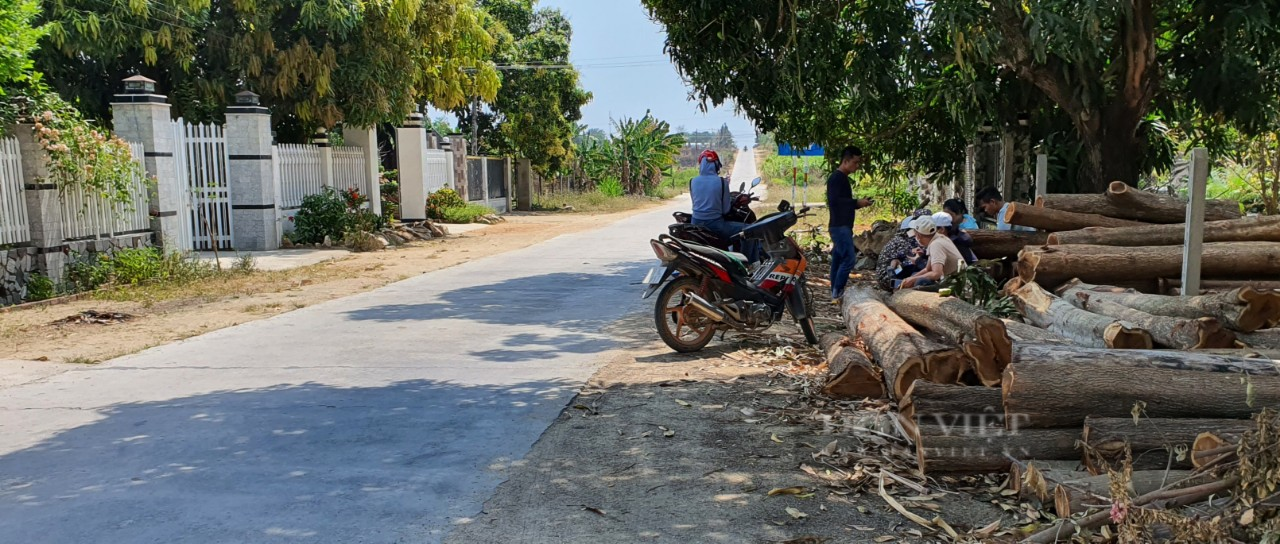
point(1244, 309)
point(1208, 446)
point(1058, 386)
point(1057, 220)
point(942, 449)
point(1155, 208)
point(998, 244)
point(850, 375)
point(931, 403)
point(1244, 353)
point(1263, 339)
point(1173, 286)
point(1104, 264)
point(1022, 333)
point(979, 334)
point(1171, 332)
point(1081, 327)
point(903, 353)
point(1249, 229)
point(1153, 442)
point(1076, 496)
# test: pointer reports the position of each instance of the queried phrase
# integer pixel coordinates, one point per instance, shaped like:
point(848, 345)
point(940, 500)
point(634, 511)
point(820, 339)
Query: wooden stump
point(1053, 220)
point(1059, 386)
point(1172, 332)
point(1245, 309)
point(1153, 443)
point(1156, 208)
point(850, 375)
point(1052, 265)
point(1081, 327)
point(979, 334)
point(1249, 229)
point(902, 352)
point(941, 449)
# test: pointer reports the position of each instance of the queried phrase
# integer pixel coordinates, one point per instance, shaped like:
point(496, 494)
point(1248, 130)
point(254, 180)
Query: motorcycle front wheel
point(806, 324)
point(681, 327)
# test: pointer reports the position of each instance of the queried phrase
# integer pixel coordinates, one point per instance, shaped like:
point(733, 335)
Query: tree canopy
point(1100, 82)
point(18, 38)
point(535, 112)
point(314, 63)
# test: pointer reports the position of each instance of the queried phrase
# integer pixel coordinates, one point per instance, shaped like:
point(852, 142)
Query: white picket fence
point(87, 215)
point(201, 157)
point(351, 171)
point(301, 171)
point(439, 170)
point(14, 228)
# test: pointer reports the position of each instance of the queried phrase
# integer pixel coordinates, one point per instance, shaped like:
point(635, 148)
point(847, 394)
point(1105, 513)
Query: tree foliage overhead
point(18, 39)
point(535, 113)
point(912, 80)
point(315, 63)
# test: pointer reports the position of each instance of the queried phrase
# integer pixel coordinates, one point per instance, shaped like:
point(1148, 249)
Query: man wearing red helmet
point(711, 202)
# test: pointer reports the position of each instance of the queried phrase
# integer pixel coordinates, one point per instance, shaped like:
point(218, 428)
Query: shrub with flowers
point(82, 156)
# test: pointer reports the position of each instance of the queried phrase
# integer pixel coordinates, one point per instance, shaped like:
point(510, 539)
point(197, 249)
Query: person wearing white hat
point(942, 256)
point(963, 242)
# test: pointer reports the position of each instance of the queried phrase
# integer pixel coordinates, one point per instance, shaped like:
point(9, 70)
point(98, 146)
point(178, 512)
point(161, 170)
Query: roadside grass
point(221, 284)
point(598, 202)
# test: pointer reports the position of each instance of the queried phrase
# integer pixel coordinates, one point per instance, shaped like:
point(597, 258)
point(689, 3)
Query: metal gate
point(200, 153)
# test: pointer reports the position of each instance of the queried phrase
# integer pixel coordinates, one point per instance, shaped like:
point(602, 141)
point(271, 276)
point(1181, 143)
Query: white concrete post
point(139, 115)
point(1192, 248)
point(411, 150)
point(43, 203)
point(251, 173)
point(1042, 175)
point(367, 140)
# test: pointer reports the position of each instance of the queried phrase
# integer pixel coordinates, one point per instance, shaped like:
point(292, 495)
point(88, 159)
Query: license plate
point(653, 277)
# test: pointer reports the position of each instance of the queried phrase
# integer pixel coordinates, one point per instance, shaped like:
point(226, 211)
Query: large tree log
point(1154, 443)
point(1244, 309)
point(1244, 353)
point(1022, 333)
point(1074, 496)
point(1081, 327)
point(1173, 286)
point(996, 244)
point(850, 375)
point(902, 352)
point(941, 449)
point(1052, 265)
point(1057, 220)
point(1172, 332)
point(931, 403)
point(1249, 229)
point(1155, 208)
point(1059, 386)
point(979, 334)
point(1209, 447)
point(1167, 210)
point(1167, 498)
point(1262, 339)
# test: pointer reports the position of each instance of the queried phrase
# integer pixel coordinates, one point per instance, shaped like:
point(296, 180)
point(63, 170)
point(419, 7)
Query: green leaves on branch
point(635, 155)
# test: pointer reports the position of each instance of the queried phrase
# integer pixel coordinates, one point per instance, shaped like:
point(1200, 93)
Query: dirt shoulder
point(161, 316)
point(663, 447)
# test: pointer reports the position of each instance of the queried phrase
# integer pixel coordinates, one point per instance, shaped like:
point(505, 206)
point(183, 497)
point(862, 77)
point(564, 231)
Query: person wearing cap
point(961, 239)
point(942, 256)
point(898, 257)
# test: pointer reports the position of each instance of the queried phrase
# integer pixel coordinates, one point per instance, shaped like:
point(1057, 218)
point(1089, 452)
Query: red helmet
point(711, 156)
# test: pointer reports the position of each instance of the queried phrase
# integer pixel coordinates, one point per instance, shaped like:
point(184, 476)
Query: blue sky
point(618, 51)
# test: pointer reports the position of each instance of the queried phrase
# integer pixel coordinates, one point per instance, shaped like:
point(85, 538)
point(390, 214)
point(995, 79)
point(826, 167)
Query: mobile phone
point(897, 270)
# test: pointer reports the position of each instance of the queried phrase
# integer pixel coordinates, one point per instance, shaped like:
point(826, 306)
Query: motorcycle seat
point(732, 261)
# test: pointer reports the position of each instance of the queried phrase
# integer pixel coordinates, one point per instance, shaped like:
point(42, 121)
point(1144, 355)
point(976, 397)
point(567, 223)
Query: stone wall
point(16, 267)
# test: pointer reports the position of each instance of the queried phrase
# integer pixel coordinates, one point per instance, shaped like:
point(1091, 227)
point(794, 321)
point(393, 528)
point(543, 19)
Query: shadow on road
point(310, 462)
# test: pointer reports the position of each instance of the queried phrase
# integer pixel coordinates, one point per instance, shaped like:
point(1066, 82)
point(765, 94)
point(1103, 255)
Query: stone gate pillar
point(251, 175)
point(140, 115)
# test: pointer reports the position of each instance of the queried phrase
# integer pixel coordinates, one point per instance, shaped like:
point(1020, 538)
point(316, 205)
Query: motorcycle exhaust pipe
point(706, 308)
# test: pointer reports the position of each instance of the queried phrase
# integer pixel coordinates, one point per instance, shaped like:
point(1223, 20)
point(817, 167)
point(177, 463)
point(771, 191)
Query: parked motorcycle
point(704, 289)
point(739, 211)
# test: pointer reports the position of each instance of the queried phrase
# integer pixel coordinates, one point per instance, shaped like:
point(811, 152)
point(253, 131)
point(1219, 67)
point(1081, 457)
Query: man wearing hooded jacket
point(711, 202)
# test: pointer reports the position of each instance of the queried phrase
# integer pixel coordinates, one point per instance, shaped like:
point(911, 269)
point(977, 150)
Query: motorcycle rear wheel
point(680, 326)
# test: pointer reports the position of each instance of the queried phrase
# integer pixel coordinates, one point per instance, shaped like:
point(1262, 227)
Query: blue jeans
point(726, 230)
point(843, 257)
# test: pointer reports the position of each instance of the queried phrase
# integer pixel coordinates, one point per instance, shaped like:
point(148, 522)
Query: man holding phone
point(843, 208)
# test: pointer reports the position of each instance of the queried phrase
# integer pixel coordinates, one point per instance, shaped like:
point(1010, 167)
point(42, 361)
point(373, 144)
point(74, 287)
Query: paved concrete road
point(382, 417)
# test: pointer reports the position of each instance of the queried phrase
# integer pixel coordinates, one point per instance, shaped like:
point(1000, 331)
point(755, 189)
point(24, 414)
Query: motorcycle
point(739, 211)
point(703, 289)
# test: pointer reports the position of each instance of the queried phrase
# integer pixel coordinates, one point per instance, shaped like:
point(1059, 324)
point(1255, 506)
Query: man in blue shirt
point(711, 202)
point(992, 203)
point(843, 208)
